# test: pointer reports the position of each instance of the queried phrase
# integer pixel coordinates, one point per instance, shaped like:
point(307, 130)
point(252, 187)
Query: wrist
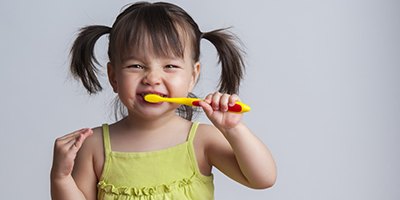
point(58, 178)
point(234, 131)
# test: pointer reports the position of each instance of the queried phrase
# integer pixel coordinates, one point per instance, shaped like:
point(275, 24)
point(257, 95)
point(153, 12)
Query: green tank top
point(170, 173)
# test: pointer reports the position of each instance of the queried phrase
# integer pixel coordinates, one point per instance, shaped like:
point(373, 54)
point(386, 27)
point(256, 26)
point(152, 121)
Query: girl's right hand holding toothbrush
point(215, 106)
point(65, 150)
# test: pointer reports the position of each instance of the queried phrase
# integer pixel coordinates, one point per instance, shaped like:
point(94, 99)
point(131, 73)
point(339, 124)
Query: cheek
point(127, 84)
point(180, 83)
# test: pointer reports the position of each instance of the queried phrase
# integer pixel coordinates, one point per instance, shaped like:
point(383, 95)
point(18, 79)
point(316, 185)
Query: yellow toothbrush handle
point(184, 101)
point(238, 107)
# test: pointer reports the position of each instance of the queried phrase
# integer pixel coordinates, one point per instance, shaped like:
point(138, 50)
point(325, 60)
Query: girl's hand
point(215, 106)
point(65, 150)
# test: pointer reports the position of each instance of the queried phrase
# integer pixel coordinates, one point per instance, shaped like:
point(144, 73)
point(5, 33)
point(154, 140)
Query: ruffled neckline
point(149, 191)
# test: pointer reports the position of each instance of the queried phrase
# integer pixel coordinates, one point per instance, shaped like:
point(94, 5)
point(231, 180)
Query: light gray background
point(322, 79)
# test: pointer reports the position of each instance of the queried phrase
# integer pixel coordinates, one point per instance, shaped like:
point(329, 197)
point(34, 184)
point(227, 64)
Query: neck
point(132, 122)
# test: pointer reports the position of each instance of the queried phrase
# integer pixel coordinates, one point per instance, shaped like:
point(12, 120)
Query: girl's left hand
point(215, 105)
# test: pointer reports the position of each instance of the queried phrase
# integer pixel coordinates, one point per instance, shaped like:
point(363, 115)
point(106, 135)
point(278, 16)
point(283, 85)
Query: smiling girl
point(155, 151)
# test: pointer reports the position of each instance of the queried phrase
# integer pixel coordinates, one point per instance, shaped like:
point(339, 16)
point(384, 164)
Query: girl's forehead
point(150, 46)
point(147, 56)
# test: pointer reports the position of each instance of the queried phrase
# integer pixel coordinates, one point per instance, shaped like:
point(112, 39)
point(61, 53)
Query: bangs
point(149, 29)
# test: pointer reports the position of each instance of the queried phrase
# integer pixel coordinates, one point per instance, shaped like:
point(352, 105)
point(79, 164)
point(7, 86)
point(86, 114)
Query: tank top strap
point(191, 149)
point(192, 132)
point(106, 139)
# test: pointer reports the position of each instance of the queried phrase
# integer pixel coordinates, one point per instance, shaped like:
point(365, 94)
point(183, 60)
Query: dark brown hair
point(163, 26)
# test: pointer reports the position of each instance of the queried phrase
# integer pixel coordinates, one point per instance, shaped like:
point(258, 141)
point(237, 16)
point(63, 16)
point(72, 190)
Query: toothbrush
point(154, 98)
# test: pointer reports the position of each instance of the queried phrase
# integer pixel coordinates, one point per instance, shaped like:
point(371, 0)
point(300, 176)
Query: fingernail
point(85, 129)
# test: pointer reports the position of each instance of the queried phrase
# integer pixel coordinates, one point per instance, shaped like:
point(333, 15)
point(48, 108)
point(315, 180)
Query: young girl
point(156, 151)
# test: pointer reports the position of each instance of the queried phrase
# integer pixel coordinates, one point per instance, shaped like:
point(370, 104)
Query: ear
point(195, 75)
point(111, 77)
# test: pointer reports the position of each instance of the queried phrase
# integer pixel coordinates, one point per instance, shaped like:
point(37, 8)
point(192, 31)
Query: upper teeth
point(144, 94)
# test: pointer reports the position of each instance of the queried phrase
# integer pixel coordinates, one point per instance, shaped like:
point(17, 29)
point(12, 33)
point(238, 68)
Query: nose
point(152, 77)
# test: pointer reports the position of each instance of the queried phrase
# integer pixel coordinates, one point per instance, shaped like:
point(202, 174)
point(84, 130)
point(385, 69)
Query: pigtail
point(83, 59)
point(188, 112)
point(230, 58)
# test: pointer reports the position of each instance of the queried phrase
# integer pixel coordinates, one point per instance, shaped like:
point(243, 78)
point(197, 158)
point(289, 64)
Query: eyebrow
point(133, 57)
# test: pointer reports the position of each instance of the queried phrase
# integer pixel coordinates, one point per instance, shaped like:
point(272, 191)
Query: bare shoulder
point(94, 142)
point(209, 135)
point(206, 130)
point(210, 141)
point(202, 142)
point(93, 149)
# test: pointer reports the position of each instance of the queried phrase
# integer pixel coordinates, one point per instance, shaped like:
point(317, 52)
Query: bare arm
point(63, 185)
point(254, 160)
point(65, 189)
point(237, 152)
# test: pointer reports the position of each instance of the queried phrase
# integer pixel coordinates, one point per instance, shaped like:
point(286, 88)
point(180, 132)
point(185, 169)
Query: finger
point(223, 102)
point(233, 99)
point(85, 135)
point(208, 98)
point(208, 110)
point(82, 137)
point(72, 135)
point(66, 140)
point(70, 143)
point(215, 100)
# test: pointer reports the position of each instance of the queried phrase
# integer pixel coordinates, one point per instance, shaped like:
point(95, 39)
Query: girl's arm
point(237, 152)
point(63, 185)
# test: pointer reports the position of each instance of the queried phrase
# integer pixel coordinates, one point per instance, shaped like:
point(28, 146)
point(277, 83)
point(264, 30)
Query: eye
point(171, 66)
point(135, 66)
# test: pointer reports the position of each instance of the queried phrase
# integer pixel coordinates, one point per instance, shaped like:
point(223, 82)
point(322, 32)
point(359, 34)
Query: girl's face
point(145, 73)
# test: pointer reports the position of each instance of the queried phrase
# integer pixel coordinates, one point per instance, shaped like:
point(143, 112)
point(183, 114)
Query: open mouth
point(143, 94)
point(146, 93)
